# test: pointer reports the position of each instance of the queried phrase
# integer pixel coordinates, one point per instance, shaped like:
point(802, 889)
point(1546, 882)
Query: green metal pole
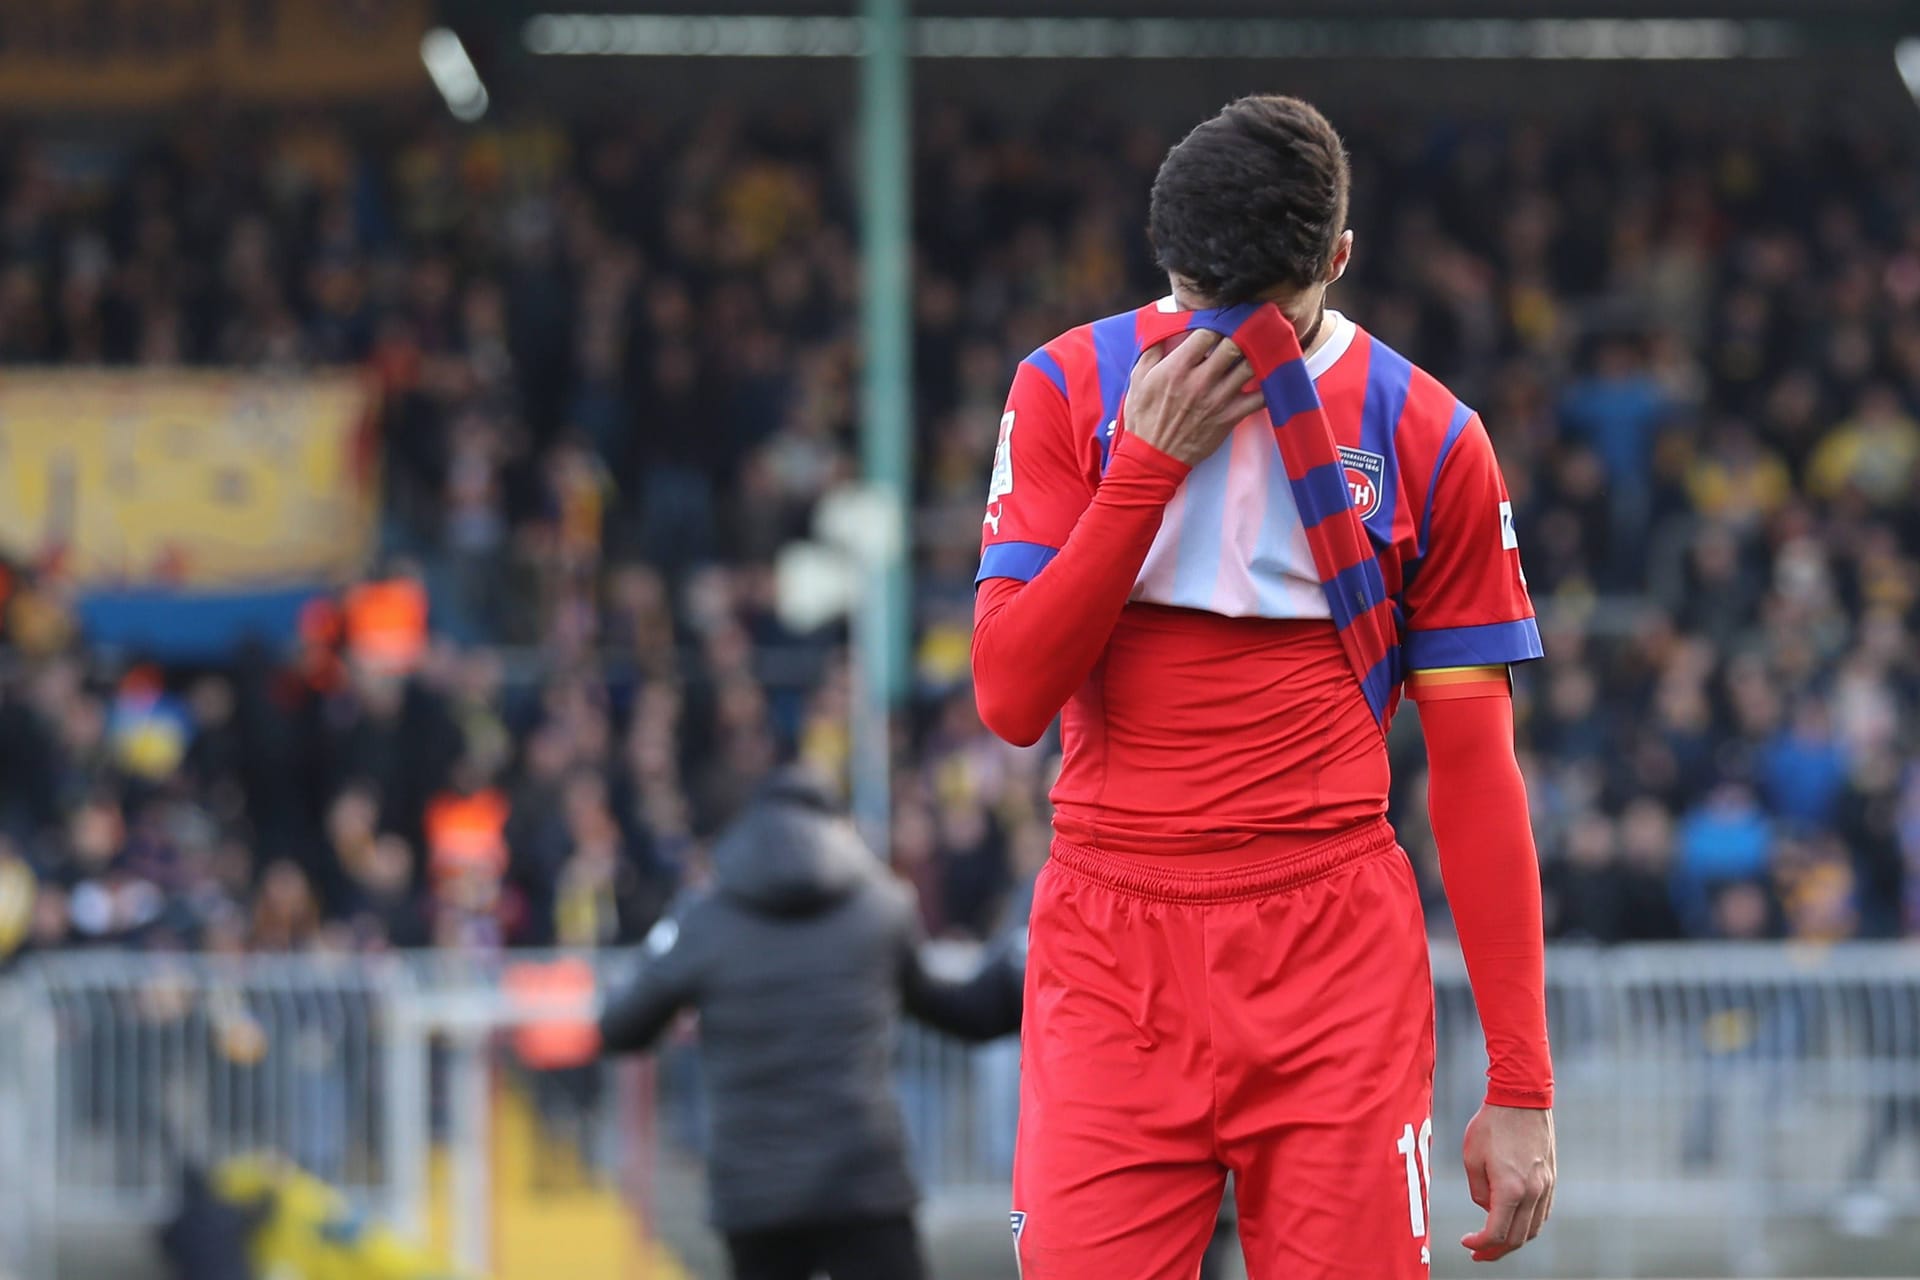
point(886, 181)
point(883, 638)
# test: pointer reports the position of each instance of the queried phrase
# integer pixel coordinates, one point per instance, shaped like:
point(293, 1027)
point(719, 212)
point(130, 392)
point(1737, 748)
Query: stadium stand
point(617, 369)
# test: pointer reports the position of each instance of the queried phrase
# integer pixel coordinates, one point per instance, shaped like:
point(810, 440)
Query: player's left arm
point(1468, 618)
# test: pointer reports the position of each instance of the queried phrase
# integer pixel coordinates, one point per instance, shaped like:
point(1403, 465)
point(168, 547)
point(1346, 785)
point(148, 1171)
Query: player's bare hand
point(1187, 397)
point(1510, 1173)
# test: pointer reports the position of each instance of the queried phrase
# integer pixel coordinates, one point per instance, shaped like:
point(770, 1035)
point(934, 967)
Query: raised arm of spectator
point(1037, 635)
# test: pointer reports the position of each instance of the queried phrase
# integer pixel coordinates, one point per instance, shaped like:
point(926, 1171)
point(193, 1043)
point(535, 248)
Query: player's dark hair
point(1251, 200)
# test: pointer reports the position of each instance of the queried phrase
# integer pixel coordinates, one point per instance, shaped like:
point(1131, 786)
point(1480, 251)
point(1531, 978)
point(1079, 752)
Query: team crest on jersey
point(1019, 1221)
point(1366, 477)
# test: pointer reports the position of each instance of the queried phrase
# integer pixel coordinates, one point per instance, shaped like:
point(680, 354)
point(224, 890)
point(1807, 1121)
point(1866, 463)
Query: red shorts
point(1274, 1019)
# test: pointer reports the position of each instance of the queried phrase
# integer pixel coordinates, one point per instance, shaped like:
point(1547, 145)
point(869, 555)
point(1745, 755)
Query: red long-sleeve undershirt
point(1035, 643)
point(1477, 802)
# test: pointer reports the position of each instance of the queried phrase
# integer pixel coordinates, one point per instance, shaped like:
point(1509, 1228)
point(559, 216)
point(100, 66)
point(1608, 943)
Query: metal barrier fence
point(401, 1081)
point(125, 1069)
point(547, 1154)
point(16, 1087)
point(1733, 1087)
point(176, 1060)
point(1742, 1088)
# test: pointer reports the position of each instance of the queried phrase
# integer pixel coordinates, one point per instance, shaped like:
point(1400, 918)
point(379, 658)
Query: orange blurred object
point(554, 1044)
point(467, 833)
point(387, 624)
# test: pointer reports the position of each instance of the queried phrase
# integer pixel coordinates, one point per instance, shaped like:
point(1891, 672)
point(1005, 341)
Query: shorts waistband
point(1167, 883)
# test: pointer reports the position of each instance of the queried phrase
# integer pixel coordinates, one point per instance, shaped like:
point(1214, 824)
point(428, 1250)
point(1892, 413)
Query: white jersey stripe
point(1155, 582)
point(1202, 532)
point(1249, 473)
point(1279, 551)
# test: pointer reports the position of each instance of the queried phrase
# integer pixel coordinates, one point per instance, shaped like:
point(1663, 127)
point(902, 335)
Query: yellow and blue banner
point(94, 54)
point(238, 494)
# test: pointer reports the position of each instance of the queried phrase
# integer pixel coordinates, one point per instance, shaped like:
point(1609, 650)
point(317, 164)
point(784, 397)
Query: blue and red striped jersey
point(1365, 493)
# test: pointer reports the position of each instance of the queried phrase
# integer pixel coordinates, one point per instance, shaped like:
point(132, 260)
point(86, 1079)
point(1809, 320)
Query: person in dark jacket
point(800, 960)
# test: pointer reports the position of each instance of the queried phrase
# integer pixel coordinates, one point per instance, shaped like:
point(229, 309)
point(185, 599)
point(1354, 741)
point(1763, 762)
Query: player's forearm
point(1477, 801)
point(1035, 642)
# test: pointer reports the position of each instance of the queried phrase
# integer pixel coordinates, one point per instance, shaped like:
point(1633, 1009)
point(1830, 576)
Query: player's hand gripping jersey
point(1226, 645)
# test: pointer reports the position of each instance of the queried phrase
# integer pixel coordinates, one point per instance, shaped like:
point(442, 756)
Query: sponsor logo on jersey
point(1002, 482)
point(1366, 476)
point(1509, 540)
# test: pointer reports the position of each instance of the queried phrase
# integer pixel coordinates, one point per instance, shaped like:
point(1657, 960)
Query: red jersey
point(1223, 707)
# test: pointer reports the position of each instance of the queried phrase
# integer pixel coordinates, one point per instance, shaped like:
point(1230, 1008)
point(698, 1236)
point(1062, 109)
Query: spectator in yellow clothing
point(1872, 454)
point(1817, 887)
point(1738, 482)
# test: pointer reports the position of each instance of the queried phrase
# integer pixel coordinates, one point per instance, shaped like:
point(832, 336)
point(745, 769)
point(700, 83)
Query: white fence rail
point(161, 1062)
point(1734, 1086)
point(21, 1079)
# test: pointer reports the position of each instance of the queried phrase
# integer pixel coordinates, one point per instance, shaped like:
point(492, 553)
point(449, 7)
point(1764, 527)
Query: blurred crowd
point(619, 367)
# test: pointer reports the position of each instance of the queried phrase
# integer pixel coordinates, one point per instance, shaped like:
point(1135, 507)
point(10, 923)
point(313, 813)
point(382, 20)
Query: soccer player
point(1224, 533)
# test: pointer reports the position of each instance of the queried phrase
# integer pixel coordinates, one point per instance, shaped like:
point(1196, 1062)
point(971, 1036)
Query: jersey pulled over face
point(1224, 708)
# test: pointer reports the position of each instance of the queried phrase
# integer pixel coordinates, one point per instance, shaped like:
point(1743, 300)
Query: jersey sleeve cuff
point(1022, 561)
point(1495, 644)
point(1139, 453)
point(1527, 1099)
